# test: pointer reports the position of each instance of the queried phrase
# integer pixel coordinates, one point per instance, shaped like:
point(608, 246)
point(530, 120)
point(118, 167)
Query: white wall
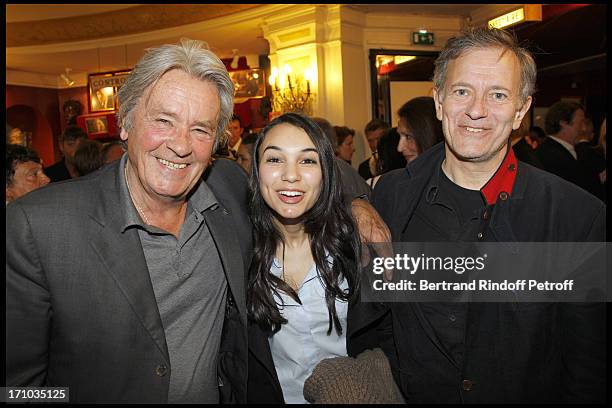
point(403, 91)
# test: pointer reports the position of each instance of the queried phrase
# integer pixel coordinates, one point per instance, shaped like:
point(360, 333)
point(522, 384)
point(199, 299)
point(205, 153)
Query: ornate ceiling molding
point(133, 20)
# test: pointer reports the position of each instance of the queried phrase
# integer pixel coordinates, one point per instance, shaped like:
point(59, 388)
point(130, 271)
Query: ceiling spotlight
point(66, 77)
point(234, 64)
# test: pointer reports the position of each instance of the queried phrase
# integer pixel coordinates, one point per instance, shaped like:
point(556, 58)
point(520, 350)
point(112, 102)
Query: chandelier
point(291, 93)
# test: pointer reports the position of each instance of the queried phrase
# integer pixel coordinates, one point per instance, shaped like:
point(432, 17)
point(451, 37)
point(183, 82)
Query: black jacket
point(526, 154)
point(58, 171)
point(557, 160)
point(592, 161)
point(81, 311)
point(529, 352)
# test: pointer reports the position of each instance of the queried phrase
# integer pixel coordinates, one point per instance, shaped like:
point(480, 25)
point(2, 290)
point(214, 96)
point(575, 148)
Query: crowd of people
point(199, 263)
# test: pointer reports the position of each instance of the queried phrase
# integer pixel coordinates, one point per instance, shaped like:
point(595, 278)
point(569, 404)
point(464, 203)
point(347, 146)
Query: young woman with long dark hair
point(305, 269)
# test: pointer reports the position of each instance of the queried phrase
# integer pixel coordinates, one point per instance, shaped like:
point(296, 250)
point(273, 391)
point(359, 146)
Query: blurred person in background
point(591, 160)
point(245, 152)
point(536, 137)
point(68, 144)
point(24, 172)
point(236, 132)
point(374, 131)
point(388, 156)
point(602, 146)
point(112, 151)
point(522, 146)
point(353, 186)
point(418, 127)
point(88, 157)
point(565, 127)
point(345, 146)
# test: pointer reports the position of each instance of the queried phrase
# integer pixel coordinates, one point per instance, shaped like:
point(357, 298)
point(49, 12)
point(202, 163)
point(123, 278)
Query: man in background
point(235, 135)
point(24, 172)
point(68, 144)
point(565, 125)
point(352, 184)
point(374, 130)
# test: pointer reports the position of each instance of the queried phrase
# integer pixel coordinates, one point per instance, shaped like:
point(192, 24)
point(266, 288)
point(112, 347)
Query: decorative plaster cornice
point(37, 80)
point(133, 20)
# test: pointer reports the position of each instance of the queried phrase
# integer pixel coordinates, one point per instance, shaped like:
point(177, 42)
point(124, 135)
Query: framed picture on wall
point(96, 125)
point(249, 83)
point(103, 89)
point(99, 126)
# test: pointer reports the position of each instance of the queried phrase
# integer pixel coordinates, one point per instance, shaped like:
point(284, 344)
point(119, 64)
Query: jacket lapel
point(121, 253)
point(219, 222)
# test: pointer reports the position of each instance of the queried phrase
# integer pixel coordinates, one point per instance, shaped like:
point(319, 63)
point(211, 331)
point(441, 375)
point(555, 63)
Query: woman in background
point(345, 146)
point(388, 156)
point(418, 127)
point(305, 269)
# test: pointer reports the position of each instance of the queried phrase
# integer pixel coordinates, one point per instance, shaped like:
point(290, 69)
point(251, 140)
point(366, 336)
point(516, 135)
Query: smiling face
point(290, 175)
point(407, 145)
point(172, 137)
point(480, 104)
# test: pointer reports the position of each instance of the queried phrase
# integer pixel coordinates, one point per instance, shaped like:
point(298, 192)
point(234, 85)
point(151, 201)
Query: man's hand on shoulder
point(372, 230)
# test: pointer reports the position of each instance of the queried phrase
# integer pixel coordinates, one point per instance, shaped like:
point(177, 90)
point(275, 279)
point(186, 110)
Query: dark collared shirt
point(447, 212)
point(190, 288)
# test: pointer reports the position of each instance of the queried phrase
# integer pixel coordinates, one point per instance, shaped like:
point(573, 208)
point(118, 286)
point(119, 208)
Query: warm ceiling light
point(234, 64)
point(400, 59)
point(66, 77)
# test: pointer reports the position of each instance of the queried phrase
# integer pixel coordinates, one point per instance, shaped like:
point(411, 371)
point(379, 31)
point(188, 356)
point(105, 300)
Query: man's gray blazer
point(81, 311)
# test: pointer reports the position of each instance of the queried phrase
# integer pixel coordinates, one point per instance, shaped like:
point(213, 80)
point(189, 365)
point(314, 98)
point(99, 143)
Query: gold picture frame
point(103, 89)
point(249, 83)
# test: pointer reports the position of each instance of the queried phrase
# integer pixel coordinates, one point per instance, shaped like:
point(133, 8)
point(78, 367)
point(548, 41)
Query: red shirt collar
point(501, 184)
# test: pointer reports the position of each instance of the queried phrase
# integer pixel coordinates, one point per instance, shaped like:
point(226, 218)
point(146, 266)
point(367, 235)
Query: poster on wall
point(103, 89)
point(248, 83)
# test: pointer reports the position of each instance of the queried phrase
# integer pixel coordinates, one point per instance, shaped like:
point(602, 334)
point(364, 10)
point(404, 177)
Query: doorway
point(398, 76)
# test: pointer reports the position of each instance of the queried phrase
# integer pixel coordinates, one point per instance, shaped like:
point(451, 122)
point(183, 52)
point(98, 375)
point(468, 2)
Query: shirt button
point(480, 235)
point(161, 370)
point(485, 215)
point(467, 385)
point(503, 196)
point(452, 318)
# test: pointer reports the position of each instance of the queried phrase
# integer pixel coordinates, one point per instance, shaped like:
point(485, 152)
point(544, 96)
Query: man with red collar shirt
point(471, 188)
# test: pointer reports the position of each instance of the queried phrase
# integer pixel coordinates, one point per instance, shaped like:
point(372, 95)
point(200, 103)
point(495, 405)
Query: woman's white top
point(303, 342)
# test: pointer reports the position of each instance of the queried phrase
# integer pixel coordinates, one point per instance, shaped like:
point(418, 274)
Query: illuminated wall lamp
point(529, 12)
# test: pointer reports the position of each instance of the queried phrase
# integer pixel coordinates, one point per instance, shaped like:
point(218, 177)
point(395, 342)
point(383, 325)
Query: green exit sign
point(422, 38)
